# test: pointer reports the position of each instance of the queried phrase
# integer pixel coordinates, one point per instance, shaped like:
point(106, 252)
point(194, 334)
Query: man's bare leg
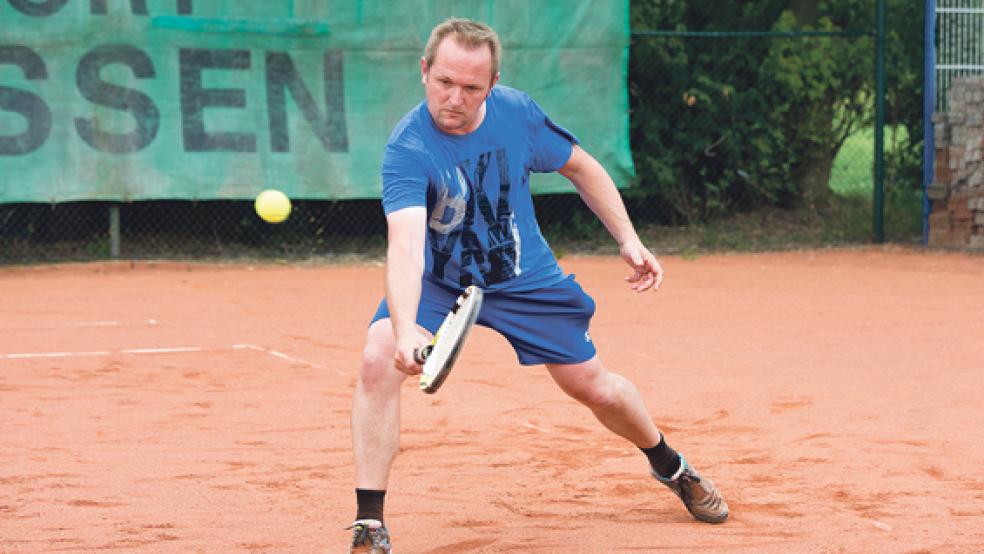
point(376, 409)
point(613, 399)
point(617, 404)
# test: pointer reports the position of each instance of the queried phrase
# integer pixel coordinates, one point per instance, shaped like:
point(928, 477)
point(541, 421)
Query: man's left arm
point(598, 191)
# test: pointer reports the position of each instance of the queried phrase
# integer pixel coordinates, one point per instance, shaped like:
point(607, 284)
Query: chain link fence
point(185, 230)
point(739, 139)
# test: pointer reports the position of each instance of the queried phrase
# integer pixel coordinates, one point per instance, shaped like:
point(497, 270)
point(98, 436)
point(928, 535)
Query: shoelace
point(683, 484)
point(690, 476)
point(360, 532)
point(710, 501)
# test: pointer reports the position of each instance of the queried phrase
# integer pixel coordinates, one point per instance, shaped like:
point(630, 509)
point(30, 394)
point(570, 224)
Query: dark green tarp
point(212, 99)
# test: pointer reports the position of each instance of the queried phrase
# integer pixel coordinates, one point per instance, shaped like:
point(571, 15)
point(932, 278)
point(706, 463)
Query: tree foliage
point(721, 124)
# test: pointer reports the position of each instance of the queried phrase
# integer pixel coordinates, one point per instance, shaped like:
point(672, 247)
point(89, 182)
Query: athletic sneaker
point(369, 535)
point(702, 499)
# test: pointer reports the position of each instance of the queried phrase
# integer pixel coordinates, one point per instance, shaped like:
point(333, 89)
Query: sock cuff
point(683, 465)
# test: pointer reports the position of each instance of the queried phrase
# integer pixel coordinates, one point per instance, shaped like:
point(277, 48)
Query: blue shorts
point(544, 326)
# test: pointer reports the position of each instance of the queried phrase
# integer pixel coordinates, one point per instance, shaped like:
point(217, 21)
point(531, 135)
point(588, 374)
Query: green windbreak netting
point(218, 99)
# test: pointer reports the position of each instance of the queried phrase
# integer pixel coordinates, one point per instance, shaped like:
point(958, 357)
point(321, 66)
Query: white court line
point(80, 325)
point(29, 355)
point(247, 347)
point(171, 350)
point(280, 355)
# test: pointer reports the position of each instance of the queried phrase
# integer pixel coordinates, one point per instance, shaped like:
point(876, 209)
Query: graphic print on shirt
point(444, 226)
point(499, 260)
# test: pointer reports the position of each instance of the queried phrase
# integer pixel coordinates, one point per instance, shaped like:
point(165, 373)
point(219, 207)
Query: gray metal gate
point(960, 43)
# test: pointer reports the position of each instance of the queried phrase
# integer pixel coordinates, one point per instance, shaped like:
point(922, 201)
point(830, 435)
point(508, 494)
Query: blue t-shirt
point(481, 227)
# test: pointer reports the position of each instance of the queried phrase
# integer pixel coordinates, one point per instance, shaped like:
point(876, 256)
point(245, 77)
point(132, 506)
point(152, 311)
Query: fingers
point(655, 273)
point(405, 358)
point(406, 363)
point(648, 273)
point(642, 281)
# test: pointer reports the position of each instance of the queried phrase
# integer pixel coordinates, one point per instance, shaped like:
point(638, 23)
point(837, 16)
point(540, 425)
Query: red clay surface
point(834, 396)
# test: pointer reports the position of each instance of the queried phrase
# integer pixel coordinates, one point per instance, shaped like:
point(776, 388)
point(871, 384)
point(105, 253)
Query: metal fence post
point(879, 200)
point(114, 230)
point(929, 106)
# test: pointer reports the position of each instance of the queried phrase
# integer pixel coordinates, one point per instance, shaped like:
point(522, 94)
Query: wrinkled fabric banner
point(219, 99)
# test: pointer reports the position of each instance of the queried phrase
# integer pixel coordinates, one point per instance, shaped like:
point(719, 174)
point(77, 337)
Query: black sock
point(664, 460)
point(370, 504)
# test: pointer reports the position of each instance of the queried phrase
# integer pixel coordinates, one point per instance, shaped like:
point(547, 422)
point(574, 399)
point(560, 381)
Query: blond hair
point(467, 33)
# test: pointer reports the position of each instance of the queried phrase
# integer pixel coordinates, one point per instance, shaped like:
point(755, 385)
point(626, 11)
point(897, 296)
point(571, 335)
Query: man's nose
point(455, 98)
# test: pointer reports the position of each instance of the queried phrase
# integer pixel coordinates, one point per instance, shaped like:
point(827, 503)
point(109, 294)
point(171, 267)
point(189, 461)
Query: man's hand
point(403, 360)
point(598, 191)
point(648, 273)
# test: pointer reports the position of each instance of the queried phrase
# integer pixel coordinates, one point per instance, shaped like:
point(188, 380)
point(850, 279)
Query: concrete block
point(939, 231)
point(958, 135)
point(937, 191)
point(955, 155)
point(941, 169)
point(959, 212)
point(944, 232)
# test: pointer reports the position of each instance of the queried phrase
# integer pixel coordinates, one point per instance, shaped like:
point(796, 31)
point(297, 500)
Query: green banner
point(219, 99)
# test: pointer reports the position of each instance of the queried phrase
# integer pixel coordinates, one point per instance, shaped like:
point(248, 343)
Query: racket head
point(440, 355)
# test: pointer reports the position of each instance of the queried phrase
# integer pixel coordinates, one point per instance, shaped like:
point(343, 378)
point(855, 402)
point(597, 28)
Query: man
point(459, 212)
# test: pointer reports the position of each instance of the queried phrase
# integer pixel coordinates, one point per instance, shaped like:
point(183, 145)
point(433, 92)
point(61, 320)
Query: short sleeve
point(404, 180)
point(552, 144)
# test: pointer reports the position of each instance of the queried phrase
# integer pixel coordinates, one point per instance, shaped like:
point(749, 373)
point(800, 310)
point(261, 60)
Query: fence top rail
point(959, 66)
point(960, 10)
point(735, 34)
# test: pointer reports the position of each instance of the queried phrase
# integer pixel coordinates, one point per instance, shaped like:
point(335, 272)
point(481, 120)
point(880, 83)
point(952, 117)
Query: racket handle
point(420, 354)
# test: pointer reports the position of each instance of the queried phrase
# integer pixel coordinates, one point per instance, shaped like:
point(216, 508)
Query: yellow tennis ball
point(272, 205)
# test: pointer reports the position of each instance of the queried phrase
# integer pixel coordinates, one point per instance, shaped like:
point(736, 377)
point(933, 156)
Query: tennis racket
point(438, 357)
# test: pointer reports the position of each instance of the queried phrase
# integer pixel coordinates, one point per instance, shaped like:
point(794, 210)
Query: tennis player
point(456, 194)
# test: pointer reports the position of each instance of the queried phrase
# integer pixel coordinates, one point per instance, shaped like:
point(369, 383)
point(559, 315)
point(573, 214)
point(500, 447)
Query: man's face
point(456, 85)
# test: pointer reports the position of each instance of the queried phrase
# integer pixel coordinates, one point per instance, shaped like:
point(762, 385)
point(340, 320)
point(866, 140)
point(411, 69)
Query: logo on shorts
point(587, 337)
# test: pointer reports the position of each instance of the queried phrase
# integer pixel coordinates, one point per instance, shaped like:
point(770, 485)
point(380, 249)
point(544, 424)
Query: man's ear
point(492, 84)
point(423, 70)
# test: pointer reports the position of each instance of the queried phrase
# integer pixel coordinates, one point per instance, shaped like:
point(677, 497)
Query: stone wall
point(957, 191)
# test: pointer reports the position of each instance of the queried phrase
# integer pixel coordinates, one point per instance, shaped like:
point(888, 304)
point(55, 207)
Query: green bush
point(732, 124)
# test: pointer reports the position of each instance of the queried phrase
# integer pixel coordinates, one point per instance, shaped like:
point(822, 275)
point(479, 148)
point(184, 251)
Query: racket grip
point(420, 354)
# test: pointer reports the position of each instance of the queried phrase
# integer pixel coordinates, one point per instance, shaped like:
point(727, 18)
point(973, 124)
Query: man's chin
point(452, 124)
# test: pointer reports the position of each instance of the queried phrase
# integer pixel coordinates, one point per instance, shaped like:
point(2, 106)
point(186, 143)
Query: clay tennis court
point(834, 396)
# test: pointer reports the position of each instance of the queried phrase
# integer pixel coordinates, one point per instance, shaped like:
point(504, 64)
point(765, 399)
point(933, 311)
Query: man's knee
point(590, 385)
point(377, 369)
point(599, 393)
point(377, 364)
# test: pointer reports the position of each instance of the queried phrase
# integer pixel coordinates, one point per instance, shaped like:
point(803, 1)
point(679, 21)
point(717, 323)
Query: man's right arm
point(404, 269)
